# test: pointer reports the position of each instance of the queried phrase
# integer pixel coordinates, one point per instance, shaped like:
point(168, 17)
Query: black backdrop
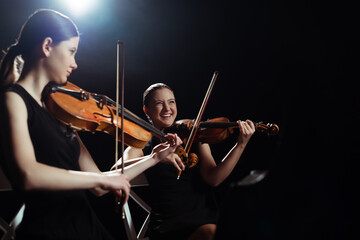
point(291, 63)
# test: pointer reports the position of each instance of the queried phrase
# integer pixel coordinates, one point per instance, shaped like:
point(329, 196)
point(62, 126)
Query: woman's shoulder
point(13, 92)
point(13, 105)
point(11, 97)
point(11, 88)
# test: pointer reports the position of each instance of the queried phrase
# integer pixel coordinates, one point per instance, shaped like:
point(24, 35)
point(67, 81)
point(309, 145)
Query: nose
point(166, 107)
point(74, 65)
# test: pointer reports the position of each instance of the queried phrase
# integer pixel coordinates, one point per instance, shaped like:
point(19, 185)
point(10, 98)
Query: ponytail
point(9, 66)
point(41, 24)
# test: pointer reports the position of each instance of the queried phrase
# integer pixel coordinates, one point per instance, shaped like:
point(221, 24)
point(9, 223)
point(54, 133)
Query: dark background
point(286, 62)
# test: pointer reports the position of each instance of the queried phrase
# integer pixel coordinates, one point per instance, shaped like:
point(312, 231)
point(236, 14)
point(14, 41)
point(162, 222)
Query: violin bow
point(199, 116)
point(118, 201)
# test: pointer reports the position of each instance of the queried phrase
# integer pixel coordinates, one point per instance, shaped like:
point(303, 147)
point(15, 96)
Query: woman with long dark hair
point(44, 159)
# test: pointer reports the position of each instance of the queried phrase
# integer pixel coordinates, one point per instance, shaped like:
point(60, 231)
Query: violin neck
point(218, 124)
point(144, 124)
point(132, 117)
point(270, 129)
point(141, 122)
point(222, 124)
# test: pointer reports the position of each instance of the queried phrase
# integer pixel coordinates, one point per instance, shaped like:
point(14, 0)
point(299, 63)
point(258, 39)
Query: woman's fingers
point(246, 127)
point(176, 140)
point(126, 187)
point(180, 165)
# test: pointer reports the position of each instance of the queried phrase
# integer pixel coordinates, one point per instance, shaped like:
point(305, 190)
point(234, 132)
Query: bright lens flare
point(80, 7)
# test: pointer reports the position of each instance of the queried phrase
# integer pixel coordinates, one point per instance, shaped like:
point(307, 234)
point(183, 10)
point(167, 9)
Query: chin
point(63, 81)
point(60, 81)
point(163, 125)
point(166, 125)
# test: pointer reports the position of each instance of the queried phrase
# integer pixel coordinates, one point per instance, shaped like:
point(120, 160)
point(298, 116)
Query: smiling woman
point(183, 208)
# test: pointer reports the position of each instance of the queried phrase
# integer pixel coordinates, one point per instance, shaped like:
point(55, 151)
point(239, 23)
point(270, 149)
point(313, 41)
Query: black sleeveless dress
point(178, 206)
point(55, 214)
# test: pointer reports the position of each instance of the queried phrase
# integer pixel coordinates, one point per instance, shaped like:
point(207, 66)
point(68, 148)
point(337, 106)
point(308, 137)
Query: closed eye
point(73, 51)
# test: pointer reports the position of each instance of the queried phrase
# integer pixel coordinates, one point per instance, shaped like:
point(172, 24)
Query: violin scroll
point(189, 160)
point(268, 128)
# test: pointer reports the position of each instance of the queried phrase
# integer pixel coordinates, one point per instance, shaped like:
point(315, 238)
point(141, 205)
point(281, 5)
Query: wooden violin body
point(82, 110)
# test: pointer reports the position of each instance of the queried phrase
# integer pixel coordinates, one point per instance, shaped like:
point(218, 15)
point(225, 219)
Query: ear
point(46, 46)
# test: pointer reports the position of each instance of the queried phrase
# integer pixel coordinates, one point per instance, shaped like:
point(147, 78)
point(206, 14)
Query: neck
point(34, 80)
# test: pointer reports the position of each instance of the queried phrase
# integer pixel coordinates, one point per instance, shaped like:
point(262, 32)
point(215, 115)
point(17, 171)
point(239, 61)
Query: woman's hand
point(175, 160)
point(117, 183)
point(247, 129)
point(164, 152)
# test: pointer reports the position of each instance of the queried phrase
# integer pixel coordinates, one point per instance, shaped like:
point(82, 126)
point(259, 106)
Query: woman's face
point(162, 108)
point(61, 60)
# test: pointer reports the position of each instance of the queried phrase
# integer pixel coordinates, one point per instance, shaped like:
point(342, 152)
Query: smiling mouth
point(166, 115)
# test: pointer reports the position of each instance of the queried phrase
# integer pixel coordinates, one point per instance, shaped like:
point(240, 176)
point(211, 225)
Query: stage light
point(80, 7)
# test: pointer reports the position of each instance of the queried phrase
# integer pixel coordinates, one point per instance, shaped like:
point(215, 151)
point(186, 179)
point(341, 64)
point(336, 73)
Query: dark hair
point(41, 24)
point(150, 90)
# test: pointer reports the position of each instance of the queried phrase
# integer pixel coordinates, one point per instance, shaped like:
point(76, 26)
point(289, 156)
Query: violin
point(211, 131)
point(216, 130)
point(93, 112)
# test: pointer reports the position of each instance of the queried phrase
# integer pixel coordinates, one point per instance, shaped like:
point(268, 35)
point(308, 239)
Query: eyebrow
point(159, 100)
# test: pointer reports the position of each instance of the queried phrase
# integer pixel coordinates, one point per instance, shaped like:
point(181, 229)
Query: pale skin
point(162, 111)
point(56, 62)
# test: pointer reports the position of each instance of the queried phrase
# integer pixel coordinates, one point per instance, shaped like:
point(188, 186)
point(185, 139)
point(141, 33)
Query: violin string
point(136, 119)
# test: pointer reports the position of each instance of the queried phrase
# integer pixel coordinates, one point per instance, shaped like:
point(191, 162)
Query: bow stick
point(119, 202)
point(199, 116)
